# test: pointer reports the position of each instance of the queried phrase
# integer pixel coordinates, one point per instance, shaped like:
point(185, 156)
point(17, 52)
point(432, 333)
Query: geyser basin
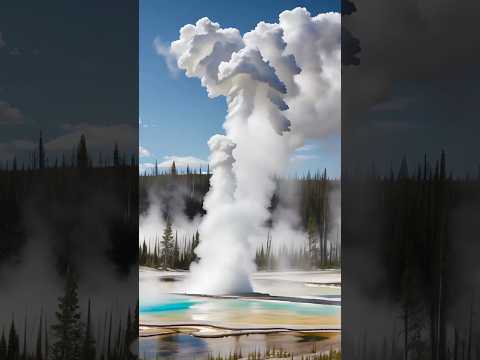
point(313, 306)
point(238, 312)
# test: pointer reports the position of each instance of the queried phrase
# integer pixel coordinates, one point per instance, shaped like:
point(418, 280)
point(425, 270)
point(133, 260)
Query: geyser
point(282, 85)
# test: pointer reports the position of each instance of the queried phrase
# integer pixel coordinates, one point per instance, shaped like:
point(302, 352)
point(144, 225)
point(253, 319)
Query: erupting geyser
point(282, 85)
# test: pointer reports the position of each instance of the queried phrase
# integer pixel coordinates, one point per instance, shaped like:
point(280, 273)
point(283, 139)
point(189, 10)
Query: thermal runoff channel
point(282, 86)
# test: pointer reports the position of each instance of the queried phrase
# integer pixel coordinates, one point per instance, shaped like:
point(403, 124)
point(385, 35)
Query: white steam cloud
point(282, 86)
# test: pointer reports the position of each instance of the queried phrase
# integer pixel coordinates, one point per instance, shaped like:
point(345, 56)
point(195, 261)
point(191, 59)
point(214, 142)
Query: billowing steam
point(282, 85)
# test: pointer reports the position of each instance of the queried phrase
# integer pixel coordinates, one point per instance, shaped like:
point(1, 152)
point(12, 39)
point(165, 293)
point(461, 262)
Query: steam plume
point(282, 85)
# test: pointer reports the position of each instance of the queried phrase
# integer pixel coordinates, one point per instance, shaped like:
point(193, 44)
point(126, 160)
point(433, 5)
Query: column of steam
point(253, 73)
point(240, 192)
point(225, 262)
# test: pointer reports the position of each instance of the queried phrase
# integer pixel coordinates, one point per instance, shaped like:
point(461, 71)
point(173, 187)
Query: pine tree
point(24, 352)
point(41, 153)
point(82, 154)
point(47, 346)
point(173, 169)
point(195, 243)
point(129, 333)
point(312, 230)
point(3, 346)
point(88, 349)
point(13, 351)
point(403, 171)
point(116, 156)
point(67, 330)
point(38, 349)
point(167, 243)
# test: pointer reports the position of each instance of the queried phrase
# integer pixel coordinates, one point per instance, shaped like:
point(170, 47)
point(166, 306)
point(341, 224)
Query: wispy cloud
point(100, 138)
point(180, 162)
point(163, 50)
point(144, 152)
point(303, 157)
point(307, 148)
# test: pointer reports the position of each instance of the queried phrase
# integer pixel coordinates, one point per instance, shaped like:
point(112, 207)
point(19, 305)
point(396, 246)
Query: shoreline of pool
point(204, 330)
point(268, 297)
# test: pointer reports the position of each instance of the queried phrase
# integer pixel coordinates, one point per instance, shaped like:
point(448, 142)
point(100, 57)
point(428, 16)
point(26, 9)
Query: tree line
point(79, 157)
point(304, 257)
point(167, 252)
point(420, 225)
point(71, 336)
point(73, 209)
point(60, 196)
point(314, 209)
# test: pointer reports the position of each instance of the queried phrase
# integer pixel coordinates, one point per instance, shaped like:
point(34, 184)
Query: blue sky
point(176, 116)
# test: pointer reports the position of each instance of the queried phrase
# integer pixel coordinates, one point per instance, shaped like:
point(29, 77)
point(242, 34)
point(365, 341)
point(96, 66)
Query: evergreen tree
point(41, 153)
point(129, 333)
point(3, 346)
point(13, 351)
point(173, 169)
point(312, 231)
point(143, 254)
point(403, 171)
point(46, 340)
point(82, 154)
point(24, 352)
point(88, 349)
point(167, 243)
point(38, 349)
point(116, 156)
point(67, 330)
point(195, 243)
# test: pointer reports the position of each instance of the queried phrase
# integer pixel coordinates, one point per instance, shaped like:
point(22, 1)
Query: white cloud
point(145, 166)
point(99, 138)
point(307, 148)
point(143, 152)
point(303, 157)
point(182, 162)
point(10, 114)
point(164, 51)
